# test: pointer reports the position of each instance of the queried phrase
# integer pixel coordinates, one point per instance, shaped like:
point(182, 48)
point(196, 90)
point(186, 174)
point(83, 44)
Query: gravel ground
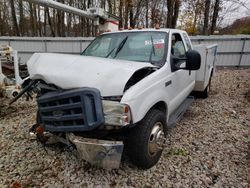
point(208, 148)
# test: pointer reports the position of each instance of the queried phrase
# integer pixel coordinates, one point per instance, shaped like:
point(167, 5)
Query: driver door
point(181, 79)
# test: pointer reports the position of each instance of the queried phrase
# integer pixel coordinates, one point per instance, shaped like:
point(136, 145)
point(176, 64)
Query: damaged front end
point(67, 115)
point(101, 153)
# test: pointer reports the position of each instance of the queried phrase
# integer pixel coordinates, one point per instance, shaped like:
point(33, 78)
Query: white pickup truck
point(125, 89)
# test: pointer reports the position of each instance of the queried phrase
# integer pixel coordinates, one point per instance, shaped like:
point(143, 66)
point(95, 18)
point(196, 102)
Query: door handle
point(168, 83)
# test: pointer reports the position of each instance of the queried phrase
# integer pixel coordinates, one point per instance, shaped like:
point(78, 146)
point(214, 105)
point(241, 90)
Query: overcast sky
point(234, 11)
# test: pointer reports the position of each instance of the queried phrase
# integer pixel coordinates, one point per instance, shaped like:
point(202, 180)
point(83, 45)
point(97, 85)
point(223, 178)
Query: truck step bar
point(178, 113)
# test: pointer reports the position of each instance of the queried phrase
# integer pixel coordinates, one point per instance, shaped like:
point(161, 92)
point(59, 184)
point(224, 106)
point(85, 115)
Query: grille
point(71, 110)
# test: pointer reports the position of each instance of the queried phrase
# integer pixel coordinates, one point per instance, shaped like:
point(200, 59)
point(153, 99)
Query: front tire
point(146, 140)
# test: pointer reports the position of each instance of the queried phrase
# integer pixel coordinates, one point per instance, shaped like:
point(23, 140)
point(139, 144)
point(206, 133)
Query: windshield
point(133, 46)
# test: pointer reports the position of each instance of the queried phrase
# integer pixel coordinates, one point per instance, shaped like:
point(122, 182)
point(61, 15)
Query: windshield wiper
point(120, 46)
point(152, 50)
point(110, 52)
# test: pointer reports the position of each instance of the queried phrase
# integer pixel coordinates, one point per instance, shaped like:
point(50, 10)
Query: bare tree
point(35, 21)
point(215, 15)
point(21, 21)
point(206, 17)
point(50, 21)
point(173, 7)
point(13, 13)
point(147, 5)
point(39, 21)
point(177, 5)
point(121, 14)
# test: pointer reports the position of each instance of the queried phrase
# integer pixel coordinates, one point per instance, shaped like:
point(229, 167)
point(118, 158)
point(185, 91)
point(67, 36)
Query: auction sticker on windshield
point(155, 41)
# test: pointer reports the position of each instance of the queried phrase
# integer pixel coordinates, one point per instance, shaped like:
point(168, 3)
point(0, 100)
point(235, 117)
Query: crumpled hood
point(74, 71)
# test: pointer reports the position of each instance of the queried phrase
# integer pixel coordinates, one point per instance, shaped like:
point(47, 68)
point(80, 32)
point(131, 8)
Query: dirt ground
point(208, 148)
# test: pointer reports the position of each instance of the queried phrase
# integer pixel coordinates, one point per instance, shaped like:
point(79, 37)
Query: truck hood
point(74, 71)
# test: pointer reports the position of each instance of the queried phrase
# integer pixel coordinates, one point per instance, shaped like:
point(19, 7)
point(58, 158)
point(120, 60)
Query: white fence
point(234, 50)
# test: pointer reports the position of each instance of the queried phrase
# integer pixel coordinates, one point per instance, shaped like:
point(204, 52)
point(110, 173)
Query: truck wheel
point(146, 140)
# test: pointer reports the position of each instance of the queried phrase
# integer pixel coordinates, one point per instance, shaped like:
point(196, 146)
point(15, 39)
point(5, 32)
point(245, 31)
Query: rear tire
point(146, 140)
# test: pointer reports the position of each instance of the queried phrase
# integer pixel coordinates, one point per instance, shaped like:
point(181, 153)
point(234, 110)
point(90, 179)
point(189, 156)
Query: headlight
point(116, 113)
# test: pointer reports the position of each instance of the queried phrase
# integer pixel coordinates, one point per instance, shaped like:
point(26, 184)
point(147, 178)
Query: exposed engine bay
point(138, 76)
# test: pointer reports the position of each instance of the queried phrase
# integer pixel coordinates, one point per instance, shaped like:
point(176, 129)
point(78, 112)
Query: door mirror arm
point(176, 60)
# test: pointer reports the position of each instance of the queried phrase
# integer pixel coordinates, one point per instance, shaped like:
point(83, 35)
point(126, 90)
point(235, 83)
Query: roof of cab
point(167, 30)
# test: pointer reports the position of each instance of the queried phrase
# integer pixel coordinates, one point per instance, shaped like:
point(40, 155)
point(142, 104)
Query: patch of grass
point(6, 110)
point(178, 152)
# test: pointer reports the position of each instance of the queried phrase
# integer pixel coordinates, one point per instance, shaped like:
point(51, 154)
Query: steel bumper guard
point(103, 153)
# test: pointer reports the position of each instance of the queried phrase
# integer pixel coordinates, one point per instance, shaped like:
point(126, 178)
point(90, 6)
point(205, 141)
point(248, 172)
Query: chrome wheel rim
point(156, 139)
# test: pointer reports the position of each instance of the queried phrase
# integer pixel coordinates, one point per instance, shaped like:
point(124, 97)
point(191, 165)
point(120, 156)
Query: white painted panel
point(27, 46)
point(24, 57)
point(228, 60)
point(247, 46)
point(245, 61)
point(4, 42)
point(63, 46)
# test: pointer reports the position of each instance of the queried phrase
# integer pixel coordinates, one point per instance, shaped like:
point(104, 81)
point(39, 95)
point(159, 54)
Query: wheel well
point(160, 106)
point(212, 72)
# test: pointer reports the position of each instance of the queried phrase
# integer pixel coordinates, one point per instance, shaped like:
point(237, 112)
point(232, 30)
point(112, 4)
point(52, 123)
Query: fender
point(142, 96)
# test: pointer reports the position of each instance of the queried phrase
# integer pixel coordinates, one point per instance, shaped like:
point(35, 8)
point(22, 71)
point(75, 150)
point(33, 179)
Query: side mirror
point(193, 61)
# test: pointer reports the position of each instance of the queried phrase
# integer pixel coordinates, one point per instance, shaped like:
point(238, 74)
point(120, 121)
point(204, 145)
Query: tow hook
point(37, 132)
point(34, 130)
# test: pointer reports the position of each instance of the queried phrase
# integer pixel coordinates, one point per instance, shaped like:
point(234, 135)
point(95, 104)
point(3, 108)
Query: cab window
point(177, 45)
point(187, 41)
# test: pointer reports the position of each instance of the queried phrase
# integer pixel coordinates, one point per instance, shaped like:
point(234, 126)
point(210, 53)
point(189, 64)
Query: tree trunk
point(194, 24)
point(176, 13)
point(69, 19)
point(88, 21)
point(50, 22)
point(39, 21)
point(35, 19)
point(110, 7)
point(62, 26)
point(55, 23)
point(153, 13)
point(206, 17)
point(1, 21)
point(197, 10)
point(215, 15)
point(4, 22)
point(88, 27)
point(137, 13)
point(45, 23)
point(6, 19)
point(162, 12)
point(147, 13)
point(170, 13)
point(13, 13)
point(121, 14)
point(84, 20)
point(126, 15)
point(131, 16)
point(32, 20)
point(21, 22)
